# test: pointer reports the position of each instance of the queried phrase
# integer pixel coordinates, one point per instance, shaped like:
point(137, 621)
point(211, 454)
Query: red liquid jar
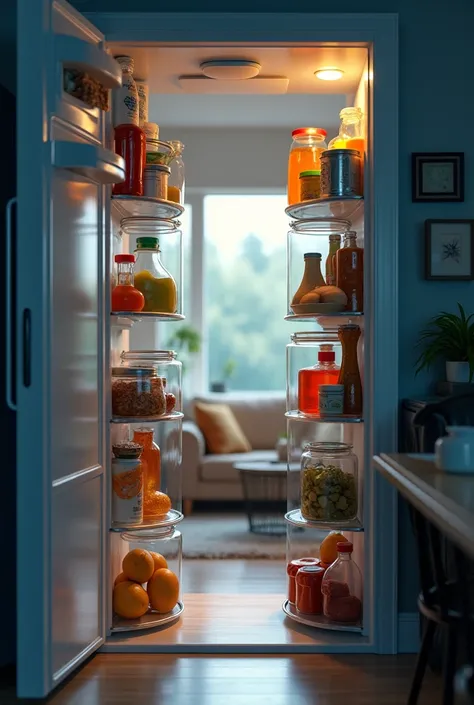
point(130, 143)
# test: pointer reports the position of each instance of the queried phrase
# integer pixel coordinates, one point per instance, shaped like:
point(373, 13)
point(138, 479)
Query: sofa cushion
point(260, 416)
point(221, 429)
point(219, 468)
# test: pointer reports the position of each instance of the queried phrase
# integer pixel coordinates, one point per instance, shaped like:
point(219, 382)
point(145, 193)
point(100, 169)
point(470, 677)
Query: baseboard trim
point(408, 632)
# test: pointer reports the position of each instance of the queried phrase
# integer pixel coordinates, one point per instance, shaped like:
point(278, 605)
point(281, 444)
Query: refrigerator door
point(64, 176)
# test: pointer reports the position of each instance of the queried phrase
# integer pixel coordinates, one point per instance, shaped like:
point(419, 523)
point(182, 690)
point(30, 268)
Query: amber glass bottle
point(310, 378)
point(349, 374)
point(151, 461)
point(350, 272)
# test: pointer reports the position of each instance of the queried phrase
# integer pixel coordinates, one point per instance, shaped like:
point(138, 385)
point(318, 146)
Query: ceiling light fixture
point(230, 69)
point(329, 73)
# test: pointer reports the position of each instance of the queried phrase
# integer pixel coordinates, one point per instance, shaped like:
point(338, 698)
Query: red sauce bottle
point(124, 296)
point(292, 568)
point(130, 143)
point(309, 599)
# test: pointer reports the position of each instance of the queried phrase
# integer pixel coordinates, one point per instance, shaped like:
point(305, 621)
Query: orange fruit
point(121, 578)
point(130, 600)
point(138, 565)
point(156, 504)
point(328, 548)
point(163, 590)
point(159, 560)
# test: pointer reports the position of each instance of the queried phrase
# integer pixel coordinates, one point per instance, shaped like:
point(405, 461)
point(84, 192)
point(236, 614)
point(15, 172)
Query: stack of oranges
point(145, 581)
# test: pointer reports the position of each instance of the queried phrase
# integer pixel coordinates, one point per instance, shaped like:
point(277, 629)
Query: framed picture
point(437, 177)
point(449, 250)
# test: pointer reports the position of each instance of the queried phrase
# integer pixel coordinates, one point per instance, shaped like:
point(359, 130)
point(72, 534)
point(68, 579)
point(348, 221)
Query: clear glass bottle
point(153, 279)
point(305, 155)
point(350, 272)
point(342, 587)
point(334, 245)
point(176, 182)
point(310, 378)
point(329, 483)
point(125, 297)
point(349, 374)
point(350, 131)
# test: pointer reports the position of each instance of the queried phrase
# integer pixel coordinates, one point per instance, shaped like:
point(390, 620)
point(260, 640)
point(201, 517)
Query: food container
point(159, 152)
point(341, 173)
point(310, 185)
point(142, 90)
point(127, 491)
point(155, 181)
point(329, 483)
point(342, 587)
point(309, 599)
point(291, 569)
point(331, 399)
point(166, 366)
point(137, 392)
point(152, 132)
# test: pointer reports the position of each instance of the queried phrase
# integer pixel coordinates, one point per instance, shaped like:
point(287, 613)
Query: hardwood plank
point(145, 679)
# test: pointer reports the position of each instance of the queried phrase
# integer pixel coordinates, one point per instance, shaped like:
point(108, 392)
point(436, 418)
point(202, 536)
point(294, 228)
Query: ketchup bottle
point(130, 143)
point(124, 296)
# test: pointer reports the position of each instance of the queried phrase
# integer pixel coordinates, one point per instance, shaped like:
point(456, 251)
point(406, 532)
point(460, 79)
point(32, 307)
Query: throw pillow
point(221, 429)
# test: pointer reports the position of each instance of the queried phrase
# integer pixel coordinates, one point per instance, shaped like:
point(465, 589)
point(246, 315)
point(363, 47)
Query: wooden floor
point(144, 679)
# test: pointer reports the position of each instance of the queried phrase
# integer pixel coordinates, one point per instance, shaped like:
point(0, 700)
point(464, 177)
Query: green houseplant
point(228, 370)
point(449, 337)
point(185, 340)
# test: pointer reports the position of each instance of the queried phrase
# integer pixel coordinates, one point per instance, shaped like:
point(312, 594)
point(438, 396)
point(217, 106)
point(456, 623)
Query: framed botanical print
point(438, 177)
point(449, 250)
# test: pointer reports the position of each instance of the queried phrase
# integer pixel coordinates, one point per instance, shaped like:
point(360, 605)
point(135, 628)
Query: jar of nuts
point(137, 392)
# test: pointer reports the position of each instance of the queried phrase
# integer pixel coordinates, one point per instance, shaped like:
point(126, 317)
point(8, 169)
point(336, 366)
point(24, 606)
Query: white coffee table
point(264, 490)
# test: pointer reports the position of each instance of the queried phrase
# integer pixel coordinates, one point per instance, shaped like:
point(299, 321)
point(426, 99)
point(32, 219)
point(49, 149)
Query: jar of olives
point(329, 484)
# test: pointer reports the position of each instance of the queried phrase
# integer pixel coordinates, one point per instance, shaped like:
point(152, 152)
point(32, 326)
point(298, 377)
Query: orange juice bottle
point(351, 134)
point(305, 155)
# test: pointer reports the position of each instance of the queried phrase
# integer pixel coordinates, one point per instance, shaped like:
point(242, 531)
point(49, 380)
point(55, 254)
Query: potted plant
point(449, 337)
point(227, 372)
point(187, 340)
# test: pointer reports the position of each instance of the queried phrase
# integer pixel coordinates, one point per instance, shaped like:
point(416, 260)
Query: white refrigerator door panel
point(63, 210)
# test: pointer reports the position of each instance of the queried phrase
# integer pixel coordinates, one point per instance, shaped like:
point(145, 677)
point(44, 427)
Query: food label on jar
point(126, 103)
point(127, 493)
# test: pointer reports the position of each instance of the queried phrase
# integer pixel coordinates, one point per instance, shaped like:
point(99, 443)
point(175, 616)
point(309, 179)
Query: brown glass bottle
point(350, 272)
point(349, 374)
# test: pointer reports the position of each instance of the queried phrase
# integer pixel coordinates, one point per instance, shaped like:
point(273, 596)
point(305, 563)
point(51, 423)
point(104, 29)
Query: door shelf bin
point(295, 518)
point(171, 518)
point(318, 620)
point(164, 541)
point(296, 415)
point(137, 206)
point(326, 208)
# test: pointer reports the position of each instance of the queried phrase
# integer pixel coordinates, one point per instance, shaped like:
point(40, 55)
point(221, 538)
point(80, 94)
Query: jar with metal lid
point(309, 599)
point(137, 392)
point(155, 181)
point(159, 263)
point(166, 367)
point(305, 154)
point(329, 483)
point(310, 184)
point(292, 569)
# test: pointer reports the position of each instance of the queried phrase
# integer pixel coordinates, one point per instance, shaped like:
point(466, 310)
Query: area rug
point(228, 536)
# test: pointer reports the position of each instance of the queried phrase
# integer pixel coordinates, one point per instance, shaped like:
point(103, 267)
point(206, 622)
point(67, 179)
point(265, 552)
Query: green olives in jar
point(329, 486)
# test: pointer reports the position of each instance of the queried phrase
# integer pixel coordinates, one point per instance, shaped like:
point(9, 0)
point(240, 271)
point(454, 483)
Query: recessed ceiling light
point(230, 69)
point(329, 74)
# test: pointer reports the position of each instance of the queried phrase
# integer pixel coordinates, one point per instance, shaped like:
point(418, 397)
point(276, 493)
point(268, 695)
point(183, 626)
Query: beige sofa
point(212, 477)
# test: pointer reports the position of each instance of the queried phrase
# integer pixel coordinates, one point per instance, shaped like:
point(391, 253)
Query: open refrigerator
point(68, 343)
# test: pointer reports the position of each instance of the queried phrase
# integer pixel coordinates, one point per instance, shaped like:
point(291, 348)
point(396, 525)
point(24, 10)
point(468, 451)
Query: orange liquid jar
point(305, 155)
point(310, 378)
point(155, 503)
point(350, 272)
point(349, 374)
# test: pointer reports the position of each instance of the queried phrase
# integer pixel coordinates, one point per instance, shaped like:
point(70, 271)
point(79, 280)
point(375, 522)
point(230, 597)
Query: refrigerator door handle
point(26, 331)
point(9, 382)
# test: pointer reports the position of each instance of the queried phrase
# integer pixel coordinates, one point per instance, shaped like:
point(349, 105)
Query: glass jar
point(129, 141)
point(342, 587)
point(309, 599)
point(292, 569)
point(157, 571)
point(153, 279)
point(351, 134)
point(137, 392)
point(165, 366)
point(309, 236)
point(329, 483)
point(310, 185)
point(177, 179)
point(305, 155)
point(125, 297)
point(302, 359)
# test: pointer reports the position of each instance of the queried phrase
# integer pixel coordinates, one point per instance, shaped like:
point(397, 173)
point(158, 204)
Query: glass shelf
point(295, 518)
point(342, 418)
point(321, 208)
point(174, 416)
point(148, 621)
point(125, 319)
point(133, 206)
point(171, 518)
point(319, 620)
point(326, 320)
